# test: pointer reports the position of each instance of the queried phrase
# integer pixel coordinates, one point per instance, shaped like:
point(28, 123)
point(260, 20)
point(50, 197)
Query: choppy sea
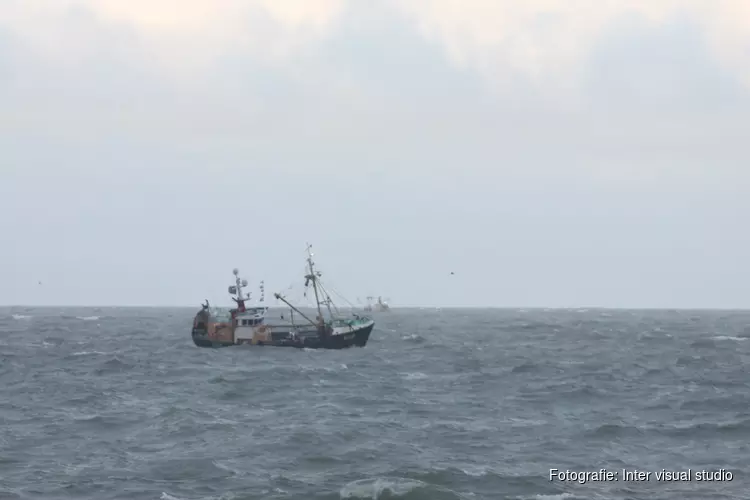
point(117, 403)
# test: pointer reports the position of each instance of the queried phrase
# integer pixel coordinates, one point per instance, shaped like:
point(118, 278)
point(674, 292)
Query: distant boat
point(214, 327)
point(382, 306)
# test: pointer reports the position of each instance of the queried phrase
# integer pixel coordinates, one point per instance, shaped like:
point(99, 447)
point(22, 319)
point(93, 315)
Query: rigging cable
point(328, 298)
point(344, 299)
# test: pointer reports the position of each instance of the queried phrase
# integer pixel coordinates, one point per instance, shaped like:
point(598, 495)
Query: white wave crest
point(374, 489)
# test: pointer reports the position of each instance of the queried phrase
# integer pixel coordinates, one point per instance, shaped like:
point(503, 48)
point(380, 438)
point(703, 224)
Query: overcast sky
point(553, 153)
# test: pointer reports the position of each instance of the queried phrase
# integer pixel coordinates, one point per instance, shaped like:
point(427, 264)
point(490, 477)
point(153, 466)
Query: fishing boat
point(380, 305)
point(216, 327)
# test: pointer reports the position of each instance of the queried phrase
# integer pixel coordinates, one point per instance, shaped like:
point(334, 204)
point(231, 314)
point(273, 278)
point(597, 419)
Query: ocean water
point(441, 404)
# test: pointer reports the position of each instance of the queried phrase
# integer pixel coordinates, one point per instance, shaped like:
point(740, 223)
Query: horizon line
point(514, 308)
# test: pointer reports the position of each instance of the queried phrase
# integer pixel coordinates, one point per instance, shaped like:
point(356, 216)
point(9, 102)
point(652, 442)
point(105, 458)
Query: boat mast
point(328, 305)
point(240, 283)
point(312, 277)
